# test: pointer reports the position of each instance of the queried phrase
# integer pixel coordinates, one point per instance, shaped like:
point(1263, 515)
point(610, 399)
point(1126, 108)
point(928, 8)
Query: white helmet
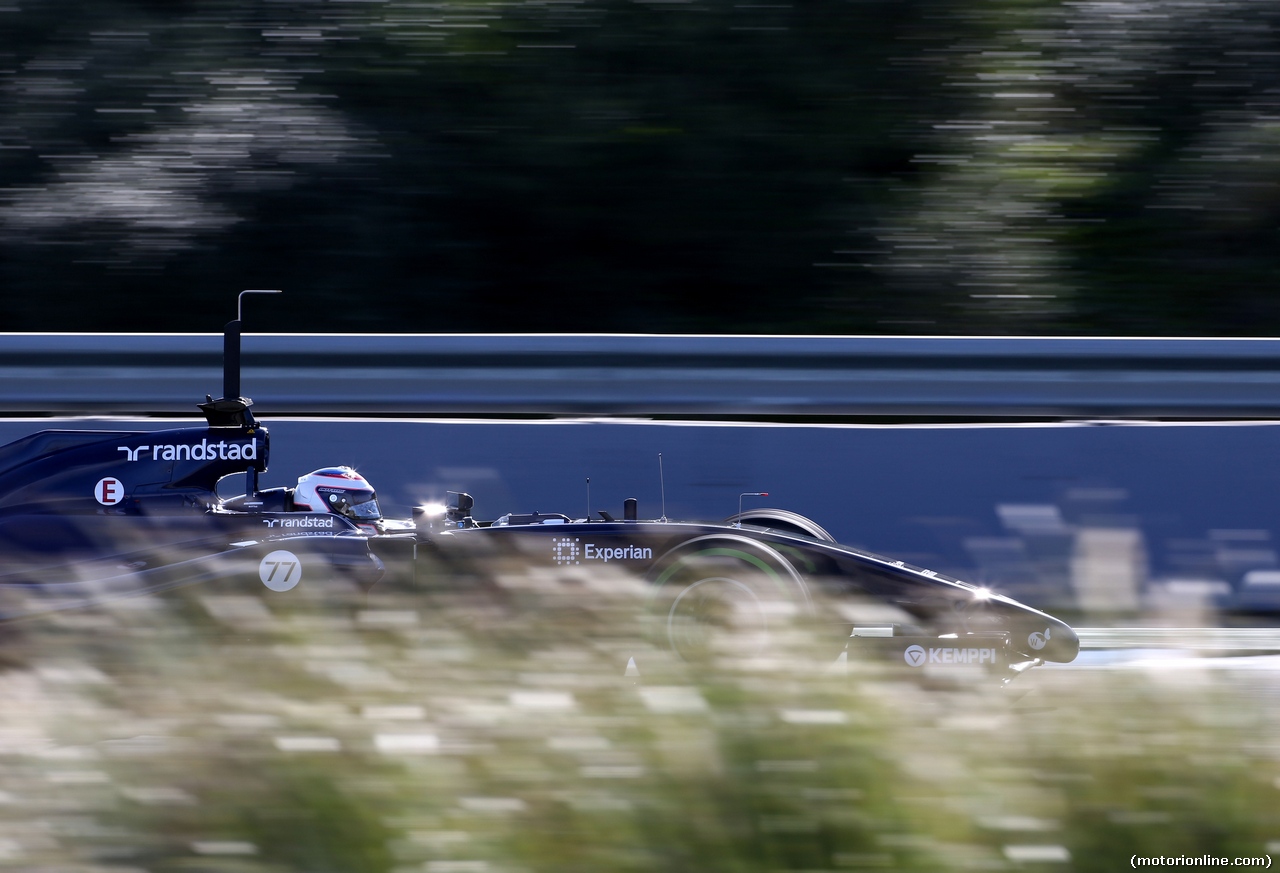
point(338, 489)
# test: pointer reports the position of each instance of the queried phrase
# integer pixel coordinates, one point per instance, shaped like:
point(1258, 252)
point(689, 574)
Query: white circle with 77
point(280, 571)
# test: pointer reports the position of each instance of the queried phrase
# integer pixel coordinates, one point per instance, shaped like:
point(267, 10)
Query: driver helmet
point(338, 489)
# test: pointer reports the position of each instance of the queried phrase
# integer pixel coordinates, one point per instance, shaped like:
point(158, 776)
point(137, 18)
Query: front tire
point(724, 594)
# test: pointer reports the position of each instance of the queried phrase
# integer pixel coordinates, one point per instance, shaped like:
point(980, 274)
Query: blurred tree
point(615, 165)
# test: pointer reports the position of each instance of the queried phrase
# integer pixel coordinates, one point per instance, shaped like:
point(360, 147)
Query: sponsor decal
point(222, 450)
point(303, 522)
point(565, 550)
point(109, 491)
point(280, 570)
point(592, 552)
point(568, 550)
point(1039, 640)
point(918, 656)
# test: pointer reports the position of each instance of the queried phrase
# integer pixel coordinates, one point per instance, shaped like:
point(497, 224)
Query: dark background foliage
point(668, 165)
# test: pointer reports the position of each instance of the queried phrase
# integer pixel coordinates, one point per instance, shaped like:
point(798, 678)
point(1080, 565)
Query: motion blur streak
point(940, 166)
point(468, 724)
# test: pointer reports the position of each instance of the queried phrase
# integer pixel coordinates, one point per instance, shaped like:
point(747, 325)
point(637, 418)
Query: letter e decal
point(109, 491)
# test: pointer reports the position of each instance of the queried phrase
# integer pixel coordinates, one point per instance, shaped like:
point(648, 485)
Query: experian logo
point(566, 550)
point(201, 451)
point(592, 552)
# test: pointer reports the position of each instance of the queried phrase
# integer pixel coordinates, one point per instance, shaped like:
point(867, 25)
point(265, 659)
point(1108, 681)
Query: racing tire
point(723, 595)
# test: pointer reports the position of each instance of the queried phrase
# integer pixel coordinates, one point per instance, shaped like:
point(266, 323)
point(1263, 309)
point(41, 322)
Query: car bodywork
point(758, 566)
point(87, 516)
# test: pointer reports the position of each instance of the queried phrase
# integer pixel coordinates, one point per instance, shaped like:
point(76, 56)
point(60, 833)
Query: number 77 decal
point(280, 570)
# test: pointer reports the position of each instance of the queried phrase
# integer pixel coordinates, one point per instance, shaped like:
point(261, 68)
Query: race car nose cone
point(1055, 642)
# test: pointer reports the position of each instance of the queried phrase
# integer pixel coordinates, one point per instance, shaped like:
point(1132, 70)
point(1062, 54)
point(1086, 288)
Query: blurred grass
point(487, 725)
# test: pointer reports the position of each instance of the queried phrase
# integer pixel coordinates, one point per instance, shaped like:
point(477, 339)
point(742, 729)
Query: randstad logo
point(201, 451)
point(305, 521)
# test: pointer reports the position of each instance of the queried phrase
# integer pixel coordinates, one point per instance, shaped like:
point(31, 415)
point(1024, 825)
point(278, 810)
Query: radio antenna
point(588, 498)
point(662, 484)
point(231, 410)
point(231, 349)
point(240, 301)
point(747, 494)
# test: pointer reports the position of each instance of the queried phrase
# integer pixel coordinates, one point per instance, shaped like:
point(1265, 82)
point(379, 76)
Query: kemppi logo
point(918, 656)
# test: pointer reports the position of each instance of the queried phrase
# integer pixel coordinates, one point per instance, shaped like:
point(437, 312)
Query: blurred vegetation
point(490, 726)
point(641, 165)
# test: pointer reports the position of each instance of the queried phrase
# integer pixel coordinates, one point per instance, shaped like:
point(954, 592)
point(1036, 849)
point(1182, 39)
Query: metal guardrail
point(677, 375)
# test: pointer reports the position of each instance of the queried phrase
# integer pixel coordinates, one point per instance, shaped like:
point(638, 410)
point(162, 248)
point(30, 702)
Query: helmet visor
point(359, 505)
point(368, 509)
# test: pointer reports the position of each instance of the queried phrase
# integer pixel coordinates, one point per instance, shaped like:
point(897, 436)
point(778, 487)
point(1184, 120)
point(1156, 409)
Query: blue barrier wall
point(1164, 517)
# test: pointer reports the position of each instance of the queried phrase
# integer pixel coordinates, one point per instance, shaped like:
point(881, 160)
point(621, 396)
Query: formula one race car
point(88, 516)
point(755, 569)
